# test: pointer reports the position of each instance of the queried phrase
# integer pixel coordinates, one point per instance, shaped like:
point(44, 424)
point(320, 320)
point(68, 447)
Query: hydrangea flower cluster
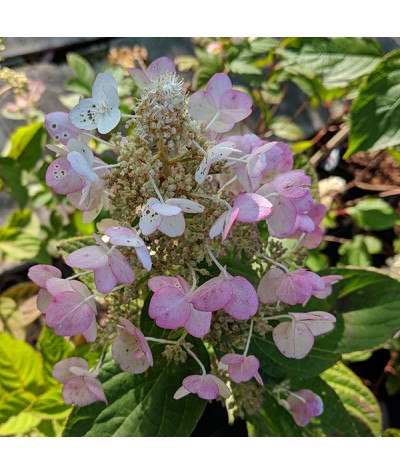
point(183, 196)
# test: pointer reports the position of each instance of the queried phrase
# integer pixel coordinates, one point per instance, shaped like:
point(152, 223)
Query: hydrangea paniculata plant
point(178, 184)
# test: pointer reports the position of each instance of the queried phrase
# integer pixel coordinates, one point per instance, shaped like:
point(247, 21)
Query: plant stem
point(249, 338)
point(193, 355)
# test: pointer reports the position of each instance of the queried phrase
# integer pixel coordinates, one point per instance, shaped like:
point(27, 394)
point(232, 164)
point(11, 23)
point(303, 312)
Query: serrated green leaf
point(82, 69)
point(20, 366)
point(263, 45)
point(356, 398)
point(375, 113)
point(242, 67)
point(26, 145)
point(373, 214)
point(335, 61)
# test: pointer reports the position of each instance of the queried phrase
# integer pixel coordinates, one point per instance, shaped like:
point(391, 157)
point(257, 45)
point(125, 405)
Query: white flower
point(100, 111)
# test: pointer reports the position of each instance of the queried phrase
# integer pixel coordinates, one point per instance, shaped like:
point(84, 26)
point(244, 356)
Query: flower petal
point(244, 301)
point(61, 370)
point(139, 77)
point(104, 279)
point(165, 209)
point(199, 323)
point(122, 236)
point(169, 308)
point(293, 340)
point(107, 121)
point(252, 207)
point(41, 273)
point(235, 106)
point(187, 206)
point(269, 284)
point(103, 79)
point(159, 67)
point(68, 315)
point(144, 257)
point(62, 178)
point(60, 128)
point(85, 114)
point(173, 226)
point(213, 295)
point(217, 86)
point(89, 257)
point(149, 219)
point(121, 268)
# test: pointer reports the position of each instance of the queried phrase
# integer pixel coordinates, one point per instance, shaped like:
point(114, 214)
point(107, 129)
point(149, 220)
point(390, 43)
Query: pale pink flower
point(247, 208)
point(167, 216)
point(158, 67)
point(241, 368)
point(130, 348)
point(109, 265)
point(220, 107)
point(206, 386)
point(40, 274)
point(329, 280)
point(72, 309)
point(304, 405)
point(123, 236)
point(101, 110)
point(60, 127)
point(295, 339)
point(170, 306)
point(80, 386)
point(289, 287)
point(235, 295)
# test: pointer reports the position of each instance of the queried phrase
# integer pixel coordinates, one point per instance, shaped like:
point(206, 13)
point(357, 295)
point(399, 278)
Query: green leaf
point(18, 244)
point(283, 128)
point(375, 114)
point(335, 61)
point(50, 405)
point(357, 252)
point(19, 424)
point(278, 366)
point(27, 145)
point(11, 318)
point(367, 308)
point(53, 348)
point(391, 433)
point(76, 85)
point(373, 214)
point(10, 175)
point(20, 366)
point(356, 398)
point(82, 69)
point(243, 67)
point(263, 45)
